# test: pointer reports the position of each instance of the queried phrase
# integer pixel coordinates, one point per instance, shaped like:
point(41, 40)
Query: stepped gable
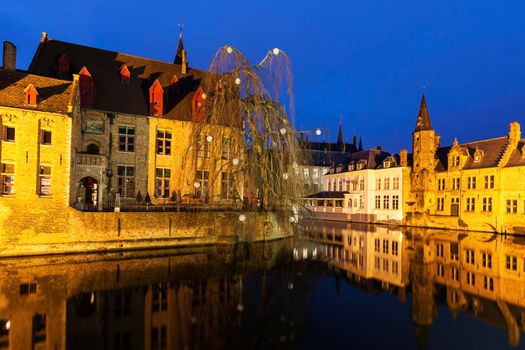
point(54, 95)
point(517, 157)
point(492, 150)
point(110, 94)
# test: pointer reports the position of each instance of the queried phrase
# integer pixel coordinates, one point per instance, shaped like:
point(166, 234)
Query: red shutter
point(86, 88)
point(156, 99)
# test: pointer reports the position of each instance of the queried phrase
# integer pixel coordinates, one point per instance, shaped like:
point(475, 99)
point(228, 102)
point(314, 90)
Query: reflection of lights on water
point(193, 319)
point(290, 286)
point(305, 253)
point(282, 338)
point(295, 254)
point(314, 253)
point(242, 217)
point(240, 307)
point(92, 299)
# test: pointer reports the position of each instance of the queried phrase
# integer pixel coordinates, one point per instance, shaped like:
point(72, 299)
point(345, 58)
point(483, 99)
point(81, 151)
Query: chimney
point(514, 133)
point(403, 157)
point(378, 148)
point(9, 62)
point(184, 64)
point(43, 39)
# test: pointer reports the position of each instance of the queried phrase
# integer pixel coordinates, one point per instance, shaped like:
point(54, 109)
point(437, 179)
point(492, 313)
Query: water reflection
point(272, 295)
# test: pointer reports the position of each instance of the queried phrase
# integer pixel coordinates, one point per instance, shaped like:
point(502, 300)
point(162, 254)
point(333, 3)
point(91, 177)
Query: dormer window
point(386, 164)
point(361, 165)
point(198, 104)
point(156, 97)
point(86, 88)
point(339, 168)
point(63, 65)
point(30, 94)
point(351, 167)
point(125, 75)
point(478, 155)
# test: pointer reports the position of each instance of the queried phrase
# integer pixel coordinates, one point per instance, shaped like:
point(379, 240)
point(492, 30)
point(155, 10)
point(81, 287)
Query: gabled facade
point(472, 186)
point(138, 120)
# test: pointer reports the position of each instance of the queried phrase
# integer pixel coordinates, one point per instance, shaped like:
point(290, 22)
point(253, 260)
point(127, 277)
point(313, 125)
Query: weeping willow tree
point(243, 145)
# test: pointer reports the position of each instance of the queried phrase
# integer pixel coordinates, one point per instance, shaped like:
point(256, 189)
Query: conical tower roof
point(180, 48)
point(423, 117)
point(340, 133)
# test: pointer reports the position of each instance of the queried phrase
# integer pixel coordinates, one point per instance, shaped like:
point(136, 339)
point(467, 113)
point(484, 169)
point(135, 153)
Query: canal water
point(334, 286)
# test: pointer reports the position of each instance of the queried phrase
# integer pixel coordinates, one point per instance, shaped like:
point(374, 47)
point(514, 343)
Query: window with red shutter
point(86, 88)
point(198, 104)
point(156, 99)
point(30, 95)
point(125, 75)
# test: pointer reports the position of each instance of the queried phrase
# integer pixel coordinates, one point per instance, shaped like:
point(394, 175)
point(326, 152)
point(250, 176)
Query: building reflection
point(480, 275)
point(256, 295)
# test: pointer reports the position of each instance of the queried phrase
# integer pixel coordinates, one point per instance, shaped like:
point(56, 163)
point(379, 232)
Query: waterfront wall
point(33, 230)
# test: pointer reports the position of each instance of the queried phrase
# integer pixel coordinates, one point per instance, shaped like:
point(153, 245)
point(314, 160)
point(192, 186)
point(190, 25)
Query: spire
point(423, 117)
point(180, 48)
point(360, 144)
point(340, 134)
point(354, 141)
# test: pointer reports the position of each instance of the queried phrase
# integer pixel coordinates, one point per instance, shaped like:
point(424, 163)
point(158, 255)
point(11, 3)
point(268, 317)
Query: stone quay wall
point(55, 229)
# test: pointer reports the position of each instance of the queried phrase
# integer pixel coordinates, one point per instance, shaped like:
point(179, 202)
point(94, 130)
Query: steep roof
point(110, 94)
point(323, 158)
point(373, 157)
point(423, 117)
point(180, 48)
point(492, 149)
point(54, 95)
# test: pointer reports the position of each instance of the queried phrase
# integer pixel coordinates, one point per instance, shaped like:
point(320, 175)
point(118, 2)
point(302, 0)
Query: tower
point(424, 146)
point(180, 56)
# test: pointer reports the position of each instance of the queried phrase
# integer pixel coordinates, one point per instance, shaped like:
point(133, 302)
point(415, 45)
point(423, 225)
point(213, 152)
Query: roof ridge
point(122, 53)
point(18, 71)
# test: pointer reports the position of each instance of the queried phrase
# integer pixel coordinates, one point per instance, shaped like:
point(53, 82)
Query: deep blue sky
point(367, 61)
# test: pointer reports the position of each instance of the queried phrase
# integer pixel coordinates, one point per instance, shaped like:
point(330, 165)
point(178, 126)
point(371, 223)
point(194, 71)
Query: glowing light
point(196, 184)
point(276, 51)
point(285, 176)
point(242, 217)
point(290, 286)
point(291, 219)
point(8, 325)
point(240, 307)
point(318, 131)
point(209, 138)
point(193, 319)
point(92, 299)
point(294, 165)
point(238, 81)
point(235, 161)
point(229, 49)
point(204, 96)
point(283, 131)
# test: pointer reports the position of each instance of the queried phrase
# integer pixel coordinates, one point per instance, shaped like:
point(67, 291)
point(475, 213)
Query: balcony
point(91, 159)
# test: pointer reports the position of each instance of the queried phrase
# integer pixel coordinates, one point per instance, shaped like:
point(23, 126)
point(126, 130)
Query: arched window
point(93, 149)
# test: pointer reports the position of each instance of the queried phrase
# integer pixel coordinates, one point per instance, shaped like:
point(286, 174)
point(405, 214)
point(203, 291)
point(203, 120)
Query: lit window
point(8, 179)
point(44, 180)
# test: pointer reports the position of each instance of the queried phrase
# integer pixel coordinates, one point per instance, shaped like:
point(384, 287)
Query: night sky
point(365, 61)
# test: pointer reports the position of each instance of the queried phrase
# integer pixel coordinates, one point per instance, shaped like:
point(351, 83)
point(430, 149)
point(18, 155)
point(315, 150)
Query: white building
point(365, 187)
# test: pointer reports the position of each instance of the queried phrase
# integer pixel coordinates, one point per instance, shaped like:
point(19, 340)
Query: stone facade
point(471, 186)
